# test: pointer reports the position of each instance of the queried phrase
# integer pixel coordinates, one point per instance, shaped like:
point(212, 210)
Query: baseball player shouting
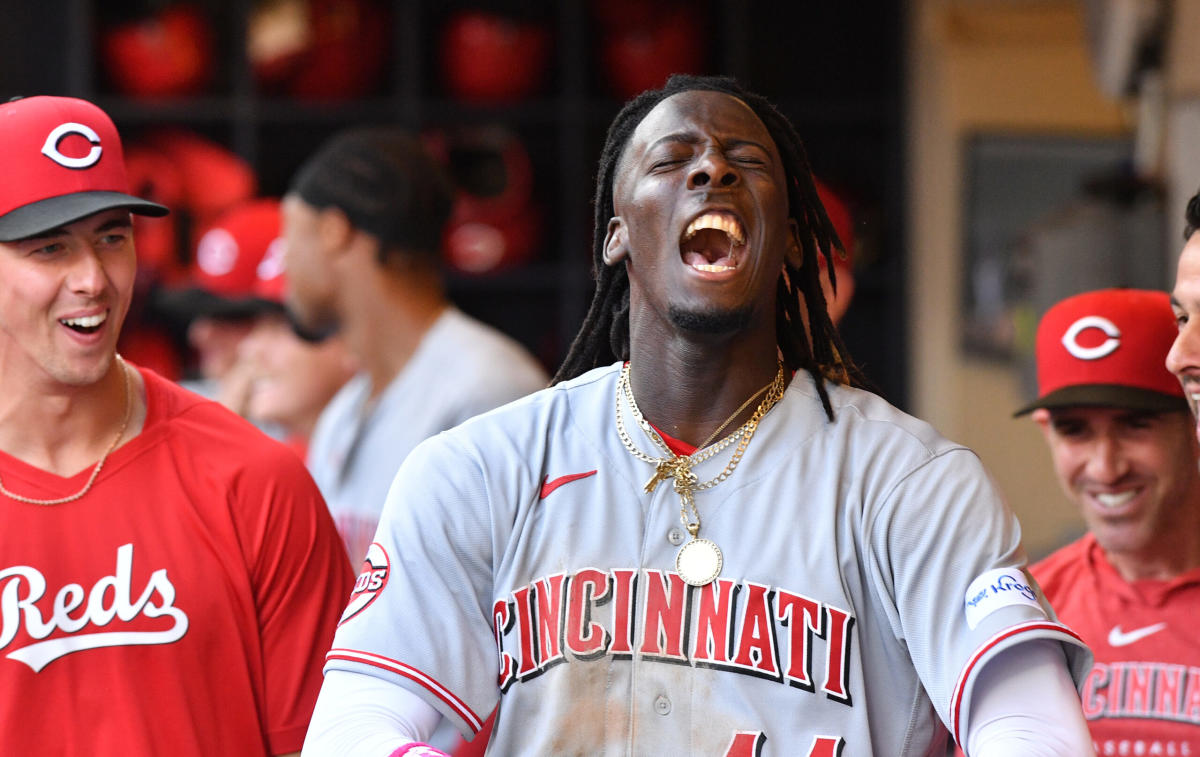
point(1122, 442)
point(169, 577)
point(716, 545)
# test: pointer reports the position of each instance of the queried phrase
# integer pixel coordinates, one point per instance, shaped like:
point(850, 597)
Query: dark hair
point(386, 183)
point(605, 330)
point(1192, 217)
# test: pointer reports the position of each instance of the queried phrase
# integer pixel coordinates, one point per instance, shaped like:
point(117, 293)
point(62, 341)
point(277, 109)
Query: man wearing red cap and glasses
point(1125, 452)
point(169, 577)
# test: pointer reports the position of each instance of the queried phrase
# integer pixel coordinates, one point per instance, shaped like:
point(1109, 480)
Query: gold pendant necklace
point(100, 464)
point(699, 561)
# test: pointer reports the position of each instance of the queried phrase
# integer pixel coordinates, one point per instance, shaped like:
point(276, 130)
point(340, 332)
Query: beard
point(710, 322)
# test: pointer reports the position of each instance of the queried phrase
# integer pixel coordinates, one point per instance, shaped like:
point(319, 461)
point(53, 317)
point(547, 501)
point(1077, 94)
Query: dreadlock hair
point(605, 331)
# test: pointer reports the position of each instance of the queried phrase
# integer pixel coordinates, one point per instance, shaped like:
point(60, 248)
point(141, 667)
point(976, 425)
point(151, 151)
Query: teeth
point(1115, 500)
point(86, 322)
point(712, 268)
point(719, 222)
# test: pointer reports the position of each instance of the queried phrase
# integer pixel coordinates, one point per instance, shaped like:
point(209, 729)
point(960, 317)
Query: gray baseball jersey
point(462, 367)
point(870, 569)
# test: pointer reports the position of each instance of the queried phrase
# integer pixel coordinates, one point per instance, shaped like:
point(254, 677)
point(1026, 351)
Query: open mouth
point(88, 324)
point(713, 243)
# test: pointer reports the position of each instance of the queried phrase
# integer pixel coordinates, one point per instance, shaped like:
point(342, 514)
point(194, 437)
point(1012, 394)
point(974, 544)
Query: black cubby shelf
point(834, 68)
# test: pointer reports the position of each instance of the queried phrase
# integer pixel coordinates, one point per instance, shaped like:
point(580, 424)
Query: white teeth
point(1115, 500)
point(86, 322)
point(713, 268)
point(719, 222)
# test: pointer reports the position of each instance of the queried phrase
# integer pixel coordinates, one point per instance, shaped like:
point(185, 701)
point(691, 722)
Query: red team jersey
point(1142, 696)
point(181, 607)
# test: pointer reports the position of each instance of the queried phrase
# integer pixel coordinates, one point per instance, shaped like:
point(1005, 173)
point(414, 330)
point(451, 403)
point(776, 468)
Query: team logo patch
point(1070, 340)
point(370, 582)
point(1002, 587)
point(55, 137)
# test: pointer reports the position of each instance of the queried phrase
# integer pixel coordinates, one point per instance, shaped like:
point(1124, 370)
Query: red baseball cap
point(1108, 348)
point(63, 161)
point(240, 248)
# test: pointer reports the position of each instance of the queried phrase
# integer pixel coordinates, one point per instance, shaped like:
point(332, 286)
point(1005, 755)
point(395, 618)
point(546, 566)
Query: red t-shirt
point(183, 606)
point(1142, 696)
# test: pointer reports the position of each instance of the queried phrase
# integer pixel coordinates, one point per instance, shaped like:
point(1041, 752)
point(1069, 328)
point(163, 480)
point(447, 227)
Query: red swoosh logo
point(549, 486)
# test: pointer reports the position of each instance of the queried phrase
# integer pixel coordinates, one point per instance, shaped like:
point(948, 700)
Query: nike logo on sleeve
point(1119, 638)
point(549, 486)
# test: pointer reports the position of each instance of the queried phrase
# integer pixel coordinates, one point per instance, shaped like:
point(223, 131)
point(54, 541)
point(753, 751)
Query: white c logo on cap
point(1107, 347)
point(50, 148)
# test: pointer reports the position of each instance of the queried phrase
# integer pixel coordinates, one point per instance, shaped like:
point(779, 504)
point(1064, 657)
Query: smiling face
point(701, 218)
point(1184, 358)
point(1132, 473)
point(63, 297)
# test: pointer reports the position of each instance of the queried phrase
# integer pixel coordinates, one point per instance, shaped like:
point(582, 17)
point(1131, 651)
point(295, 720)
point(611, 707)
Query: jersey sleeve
point(429, 573)
point(300, 578)
point(947, 550)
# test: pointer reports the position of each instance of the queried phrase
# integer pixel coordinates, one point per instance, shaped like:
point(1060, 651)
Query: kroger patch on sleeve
point(1002, 587)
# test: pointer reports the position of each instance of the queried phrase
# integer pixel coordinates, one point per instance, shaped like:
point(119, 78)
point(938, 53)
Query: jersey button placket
point(675, 536)
point(662, 704)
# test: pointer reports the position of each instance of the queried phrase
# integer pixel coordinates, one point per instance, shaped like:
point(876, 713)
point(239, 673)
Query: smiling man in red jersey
point(168, 575)
point(706, 538)
point(1125, 452)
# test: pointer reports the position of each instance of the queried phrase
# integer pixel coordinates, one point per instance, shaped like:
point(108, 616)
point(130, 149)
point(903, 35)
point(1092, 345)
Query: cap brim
point(194, 302)
point(44, 215)
point(1107, 395)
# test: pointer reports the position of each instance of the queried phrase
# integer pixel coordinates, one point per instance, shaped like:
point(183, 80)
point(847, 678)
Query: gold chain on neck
point(679, 467)
point(100, 464)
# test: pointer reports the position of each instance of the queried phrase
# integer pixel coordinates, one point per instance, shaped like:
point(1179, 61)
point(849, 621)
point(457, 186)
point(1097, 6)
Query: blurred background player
point(216, 306)
point(172, 576)
point(1125, 451)
point(281, 379)
point(364, 221)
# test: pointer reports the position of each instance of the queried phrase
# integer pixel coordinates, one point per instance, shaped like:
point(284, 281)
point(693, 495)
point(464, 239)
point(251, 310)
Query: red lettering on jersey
point(550, 608)
point(803, 618)
point(586, 640)
point(714, 623)
point(1191, 700)
point(1093, 693)
point(1137, 689)
point(1114, 688)
point(840, 625)
point(827, 746)
point(666, 615)
point(757, 650)
point(502, 621)
point(624, 592)
point(525, 627)
point(1167, 691)
point(746, 743)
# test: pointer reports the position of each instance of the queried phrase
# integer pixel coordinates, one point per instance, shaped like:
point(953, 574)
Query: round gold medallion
point(698, 562)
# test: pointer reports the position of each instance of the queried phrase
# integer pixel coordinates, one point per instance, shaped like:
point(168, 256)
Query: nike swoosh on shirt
point(549, 486)
point(1119, 638)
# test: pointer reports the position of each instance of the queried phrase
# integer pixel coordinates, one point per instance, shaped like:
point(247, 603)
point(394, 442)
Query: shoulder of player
point(873, 421)
point(524, 428)
point(457, 340)
point(209, 427)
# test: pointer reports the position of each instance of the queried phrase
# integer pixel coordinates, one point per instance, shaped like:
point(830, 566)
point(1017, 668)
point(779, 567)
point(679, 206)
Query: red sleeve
point(302, 578)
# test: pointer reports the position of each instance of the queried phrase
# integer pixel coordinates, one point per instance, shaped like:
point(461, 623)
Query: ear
point(334, 229)
point(795, 252)
point(616, 246)
point(1041, 416)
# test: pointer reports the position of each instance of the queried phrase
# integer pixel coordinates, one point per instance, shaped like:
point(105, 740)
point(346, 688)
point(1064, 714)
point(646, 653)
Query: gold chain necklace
point(699, 561)
point(100, 464)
